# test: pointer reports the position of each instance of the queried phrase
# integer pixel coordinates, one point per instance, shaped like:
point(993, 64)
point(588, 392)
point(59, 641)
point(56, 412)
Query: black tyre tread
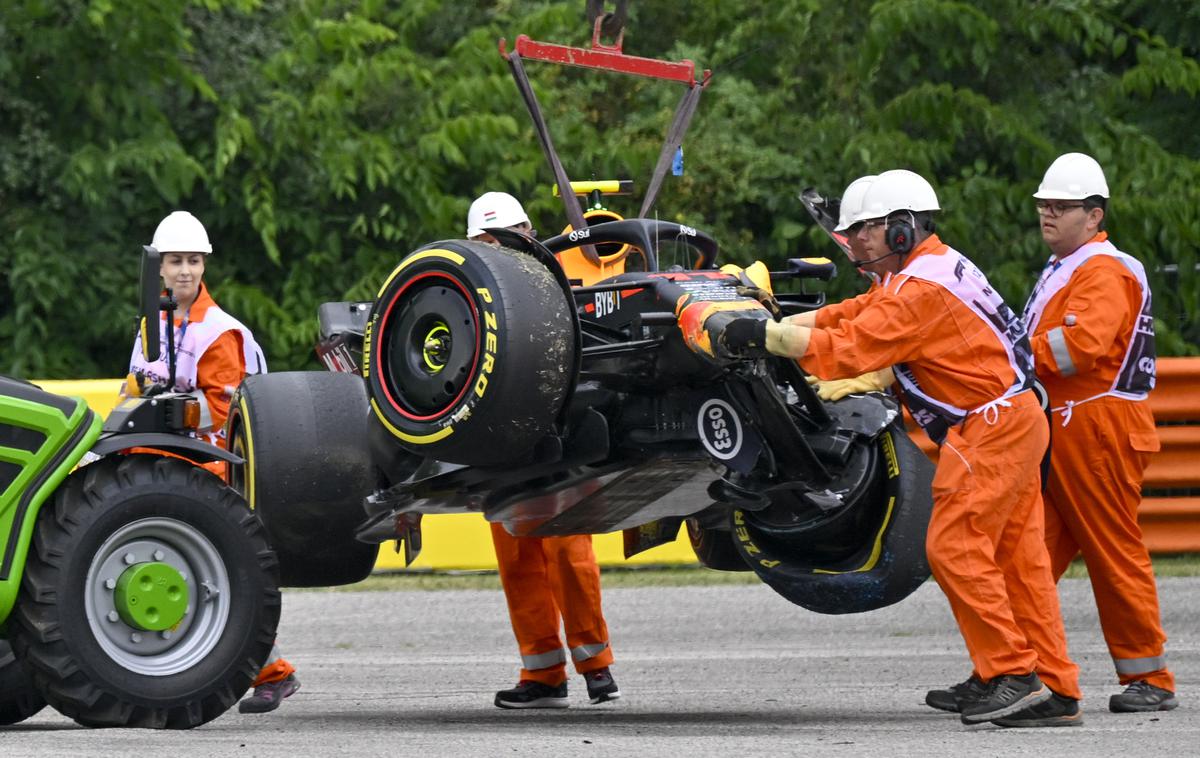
point(60, 675)
point(313, 467)
point(534, 372)
point(19, 699)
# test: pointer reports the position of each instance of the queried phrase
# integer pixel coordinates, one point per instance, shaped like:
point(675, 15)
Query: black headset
point(900, 235)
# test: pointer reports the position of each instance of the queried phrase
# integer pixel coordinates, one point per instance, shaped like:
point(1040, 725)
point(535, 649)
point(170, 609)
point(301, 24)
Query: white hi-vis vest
point(953, 271)
point(1136, 377)
point(191, 340)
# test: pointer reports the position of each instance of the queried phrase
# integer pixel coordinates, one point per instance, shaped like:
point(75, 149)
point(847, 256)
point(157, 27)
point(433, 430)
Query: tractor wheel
point(469, 353)
point(809, 562)
point(19, 699)
point(149, 597)
point(304, 437)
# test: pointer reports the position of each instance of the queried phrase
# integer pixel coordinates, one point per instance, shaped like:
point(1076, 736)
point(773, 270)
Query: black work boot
point(529, 694)
point(267, 697)
point(1057, 711)
point(953, 698)
point(601, 686)
point(1006, 695)
point(1141, 696)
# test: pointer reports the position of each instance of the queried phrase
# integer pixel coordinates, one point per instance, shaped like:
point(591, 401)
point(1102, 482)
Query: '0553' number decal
point(720, 429)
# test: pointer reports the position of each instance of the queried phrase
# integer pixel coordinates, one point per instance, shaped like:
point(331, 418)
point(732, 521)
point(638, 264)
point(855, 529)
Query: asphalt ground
point(707, 670)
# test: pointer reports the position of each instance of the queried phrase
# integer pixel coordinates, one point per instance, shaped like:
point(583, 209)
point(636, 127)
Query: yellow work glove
point(836, 389)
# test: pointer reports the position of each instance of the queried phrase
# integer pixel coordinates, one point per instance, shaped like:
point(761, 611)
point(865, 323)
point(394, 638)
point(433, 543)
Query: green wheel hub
point(151, 596)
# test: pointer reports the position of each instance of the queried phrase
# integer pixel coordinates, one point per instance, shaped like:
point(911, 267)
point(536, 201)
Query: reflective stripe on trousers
point(544, 660)
point(1134, 666)
point(583, 652)
point(555, 657)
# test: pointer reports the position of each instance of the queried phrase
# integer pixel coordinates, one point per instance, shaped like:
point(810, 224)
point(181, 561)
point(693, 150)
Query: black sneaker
point(601, 686)
point(1006, 695)
point(267, 697)
point(1057, 711)
point(1141, 696)
point(529, 694)
point(955, 697)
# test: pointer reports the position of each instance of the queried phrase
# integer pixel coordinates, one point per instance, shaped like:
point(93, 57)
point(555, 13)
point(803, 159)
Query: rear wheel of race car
point(469, 352)
point(304, 437)
point(715, 548)
point(19, 699)
point(149, 598)
point(862, 561)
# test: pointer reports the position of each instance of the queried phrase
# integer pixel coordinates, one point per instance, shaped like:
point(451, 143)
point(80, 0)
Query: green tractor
point(136, 589)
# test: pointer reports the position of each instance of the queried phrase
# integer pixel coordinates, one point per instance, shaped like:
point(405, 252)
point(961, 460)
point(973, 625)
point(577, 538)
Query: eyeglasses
point(1054, 210)
point(874, 223)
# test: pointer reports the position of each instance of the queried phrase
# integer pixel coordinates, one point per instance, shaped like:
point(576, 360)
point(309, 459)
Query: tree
point(321, 140)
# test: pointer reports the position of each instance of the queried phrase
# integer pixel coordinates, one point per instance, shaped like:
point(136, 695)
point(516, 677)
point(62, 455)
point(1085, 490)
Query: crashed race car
point(553, 388)
point(490, 383)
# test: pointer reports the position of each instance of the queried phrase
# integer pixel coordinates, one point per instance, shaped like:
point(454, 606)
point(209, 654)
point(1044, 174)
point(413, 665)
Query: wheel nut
point(110, 583)
point(130, 559)
point(135, 637)
point(165, 634)
point(113, 616)
point(158, 555)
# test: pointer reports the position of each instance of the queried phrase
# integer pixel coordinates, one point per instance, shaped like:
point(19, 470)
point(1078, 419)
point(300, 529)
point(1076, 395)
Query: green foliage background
point(321, 140)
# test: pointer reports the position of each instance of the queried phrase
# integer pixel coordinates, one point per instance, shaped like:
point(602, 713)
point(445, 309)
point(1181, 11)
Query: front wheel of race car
point(19, 699)
point(149, 597)
point(871, 556)
point(715, 548)
point(469, 352)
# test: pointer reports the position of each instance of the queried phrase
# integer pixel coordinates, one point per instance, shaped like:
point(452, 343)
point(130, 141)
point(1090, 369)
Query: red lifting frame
point(606, 57)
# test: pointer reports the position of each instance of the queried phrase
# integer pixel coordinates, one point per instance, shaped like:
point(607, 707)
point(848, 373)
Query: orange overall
point(985, 542)
point(545, 578)
point(220, 369)
point(1099, 454)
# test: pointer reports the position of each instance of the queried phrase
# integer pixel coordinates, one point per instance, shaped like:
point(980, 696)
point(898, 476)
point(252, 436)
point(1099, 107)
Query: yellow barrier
point(464, 541)
point(455, 541)
point(1170, 518)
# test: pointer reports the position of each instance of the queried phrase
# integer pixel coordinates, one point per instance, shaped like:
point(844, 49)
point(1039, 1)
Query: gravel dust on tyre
point(469, 352)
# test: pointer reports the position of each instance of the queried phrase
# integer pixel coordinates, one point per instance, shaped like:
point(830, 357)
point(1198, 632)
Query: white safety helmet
point(1072, 176)
point(181, 232)
point(494, 210)
point(851, 204)
point(897, 190)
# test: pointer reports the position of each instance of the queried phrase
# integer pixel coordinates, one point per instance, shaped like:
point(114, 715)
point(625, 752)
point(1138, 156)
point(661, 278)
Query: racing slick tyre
point(889, 563)
point(308, 466)
point(149, 597)
point(19, 699)
point(715, 548)
point(469, 352)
